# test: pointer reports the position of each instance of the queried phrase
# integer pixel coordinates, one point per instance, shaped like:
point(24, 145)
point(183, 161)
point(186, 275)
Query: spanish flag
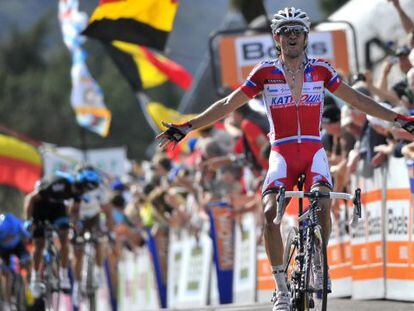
point(146, 69)
point(20, 163)
point(144, 22)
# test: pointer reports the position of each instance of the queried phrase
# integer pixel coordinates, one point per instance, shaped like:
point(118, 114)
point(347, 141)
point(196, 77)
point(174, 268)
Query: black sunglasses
point(288, 30)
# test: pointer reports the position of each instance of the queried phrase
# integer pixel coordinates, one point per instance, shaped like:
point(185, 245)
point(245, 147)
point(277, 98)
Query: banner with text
point(222, 234)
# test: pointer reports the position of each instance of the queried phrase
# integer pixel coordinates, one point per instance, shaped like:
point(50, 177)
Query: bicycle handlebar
point(317, 194)
point(355, 198)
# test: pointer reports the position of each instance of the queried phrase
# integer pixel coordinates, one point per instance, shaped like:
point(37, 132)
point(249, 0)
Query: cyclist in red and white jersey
point(293, 89)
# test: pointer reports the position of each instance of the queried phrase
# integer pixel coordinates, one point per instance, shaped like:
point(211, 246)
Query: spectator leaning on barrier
point(282, 82)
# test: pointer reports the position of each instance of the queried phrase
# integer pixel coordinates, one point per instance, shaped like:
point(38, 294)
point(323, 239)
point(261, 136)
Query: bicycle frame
point(50, 277)
point(304, 241)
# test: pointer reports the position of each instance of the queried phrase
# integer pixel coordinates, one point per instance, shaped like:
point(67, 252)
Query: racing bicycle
point(305, 245)
point(51, 283)
point(88, 275)
point(13, 283)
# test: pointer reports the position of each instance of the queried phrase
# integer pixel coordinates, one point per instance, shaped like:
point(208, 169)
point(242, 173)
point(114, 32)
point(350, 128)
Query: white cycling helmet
point(288, 16)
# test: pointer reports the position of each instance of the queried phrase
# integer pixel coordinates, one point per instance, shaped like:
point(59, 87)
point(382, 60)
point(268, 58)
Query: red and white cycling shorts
point(290, 159)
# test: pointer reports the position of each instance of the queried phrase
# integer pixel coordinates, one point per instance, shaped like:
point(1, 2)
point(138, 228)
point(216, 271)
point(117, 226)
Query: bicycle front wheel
point(90, 280)
point(52, 284)
point(19, 293)
point(292, 269)
point(320, 277)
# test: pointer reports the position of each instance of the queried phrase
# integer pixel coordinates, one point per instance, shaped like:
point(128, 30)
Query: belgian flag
point(144, 22)
point(145, 69)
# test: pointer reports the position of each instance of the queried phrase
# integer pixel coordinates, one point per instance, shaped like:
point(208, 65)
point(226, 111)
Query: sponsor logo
point(278, 183)
point(306, 99)
point(275, 81)
point(249, 83)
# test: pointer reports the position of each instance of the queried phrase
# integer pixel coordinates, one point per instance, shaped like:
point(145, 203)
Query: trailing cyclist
point(48, 203)
point(85, 217)
point(13, 242)
point(292, 86)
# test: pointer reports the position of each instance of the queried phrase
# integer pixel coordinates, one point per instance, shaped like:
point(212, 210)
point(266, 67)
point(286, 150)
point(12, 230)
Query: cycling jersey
point(92, 201)
point(58, 189)
point(294, 123)
point(289, 120)
point(14, 235)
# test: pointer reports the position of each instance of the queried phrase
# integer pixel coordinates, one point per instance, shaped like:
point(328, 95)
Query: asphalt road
point(333, 305)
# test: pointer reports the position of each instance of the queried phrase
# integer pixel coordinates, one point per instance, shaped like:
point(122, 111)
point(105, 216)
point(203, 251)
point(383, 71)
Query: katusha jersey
point(294, 126)
point(289, 120)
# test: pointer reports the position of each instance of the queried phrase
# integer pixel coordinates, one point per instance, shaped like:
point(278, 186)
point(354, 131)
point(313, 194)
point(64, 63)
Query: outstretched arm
point(406, 22)
point(220, 109)
point(215, 112)
point(364, 103)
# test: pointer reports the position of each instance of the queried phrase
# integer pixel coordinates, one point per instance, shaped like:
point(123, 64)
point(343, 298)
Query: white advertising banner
point(399, 232)
point(175, 267)
point(194, 281)
point(112, 161)
point(244, 287)
point(339, 254)
point(136, 282)
point(367, 240)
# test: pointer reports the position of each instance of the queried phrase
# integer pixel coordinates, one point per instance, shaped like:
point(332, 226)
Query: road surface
point(333, 305)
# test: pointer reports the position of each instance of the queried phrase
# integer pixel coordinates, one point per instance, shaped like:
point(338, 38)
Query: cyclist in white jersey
point(87, 218)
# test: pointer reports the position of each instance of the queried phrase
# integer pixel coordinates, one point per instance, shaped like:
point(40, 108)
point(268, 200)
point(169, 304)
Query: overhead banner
point(222, 234)
point(240, 53)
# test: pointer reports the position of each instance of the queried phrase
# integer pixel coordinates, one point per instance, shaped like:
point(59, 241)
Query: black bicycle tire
point(288, 257)
point(91, 291)
point(325, 273)
point(2, 284)
point(19, 291)
point(48, 297)
point(307, 269)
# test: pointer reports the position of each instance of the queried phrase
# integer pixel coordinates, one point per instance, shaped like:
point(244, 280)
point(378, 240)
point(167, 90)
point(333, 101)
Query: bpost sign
point(240, 53)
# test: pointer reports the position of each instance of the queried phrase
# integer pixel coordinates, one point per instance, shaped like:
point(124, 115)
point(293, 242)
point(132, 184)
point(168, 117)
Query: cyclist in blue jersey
point(13, 241)
point(48, 202)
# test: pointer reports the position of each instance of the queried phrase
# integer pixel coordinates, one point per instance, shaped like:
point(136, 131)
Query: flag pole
point(83, 144)
point(143, 101)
